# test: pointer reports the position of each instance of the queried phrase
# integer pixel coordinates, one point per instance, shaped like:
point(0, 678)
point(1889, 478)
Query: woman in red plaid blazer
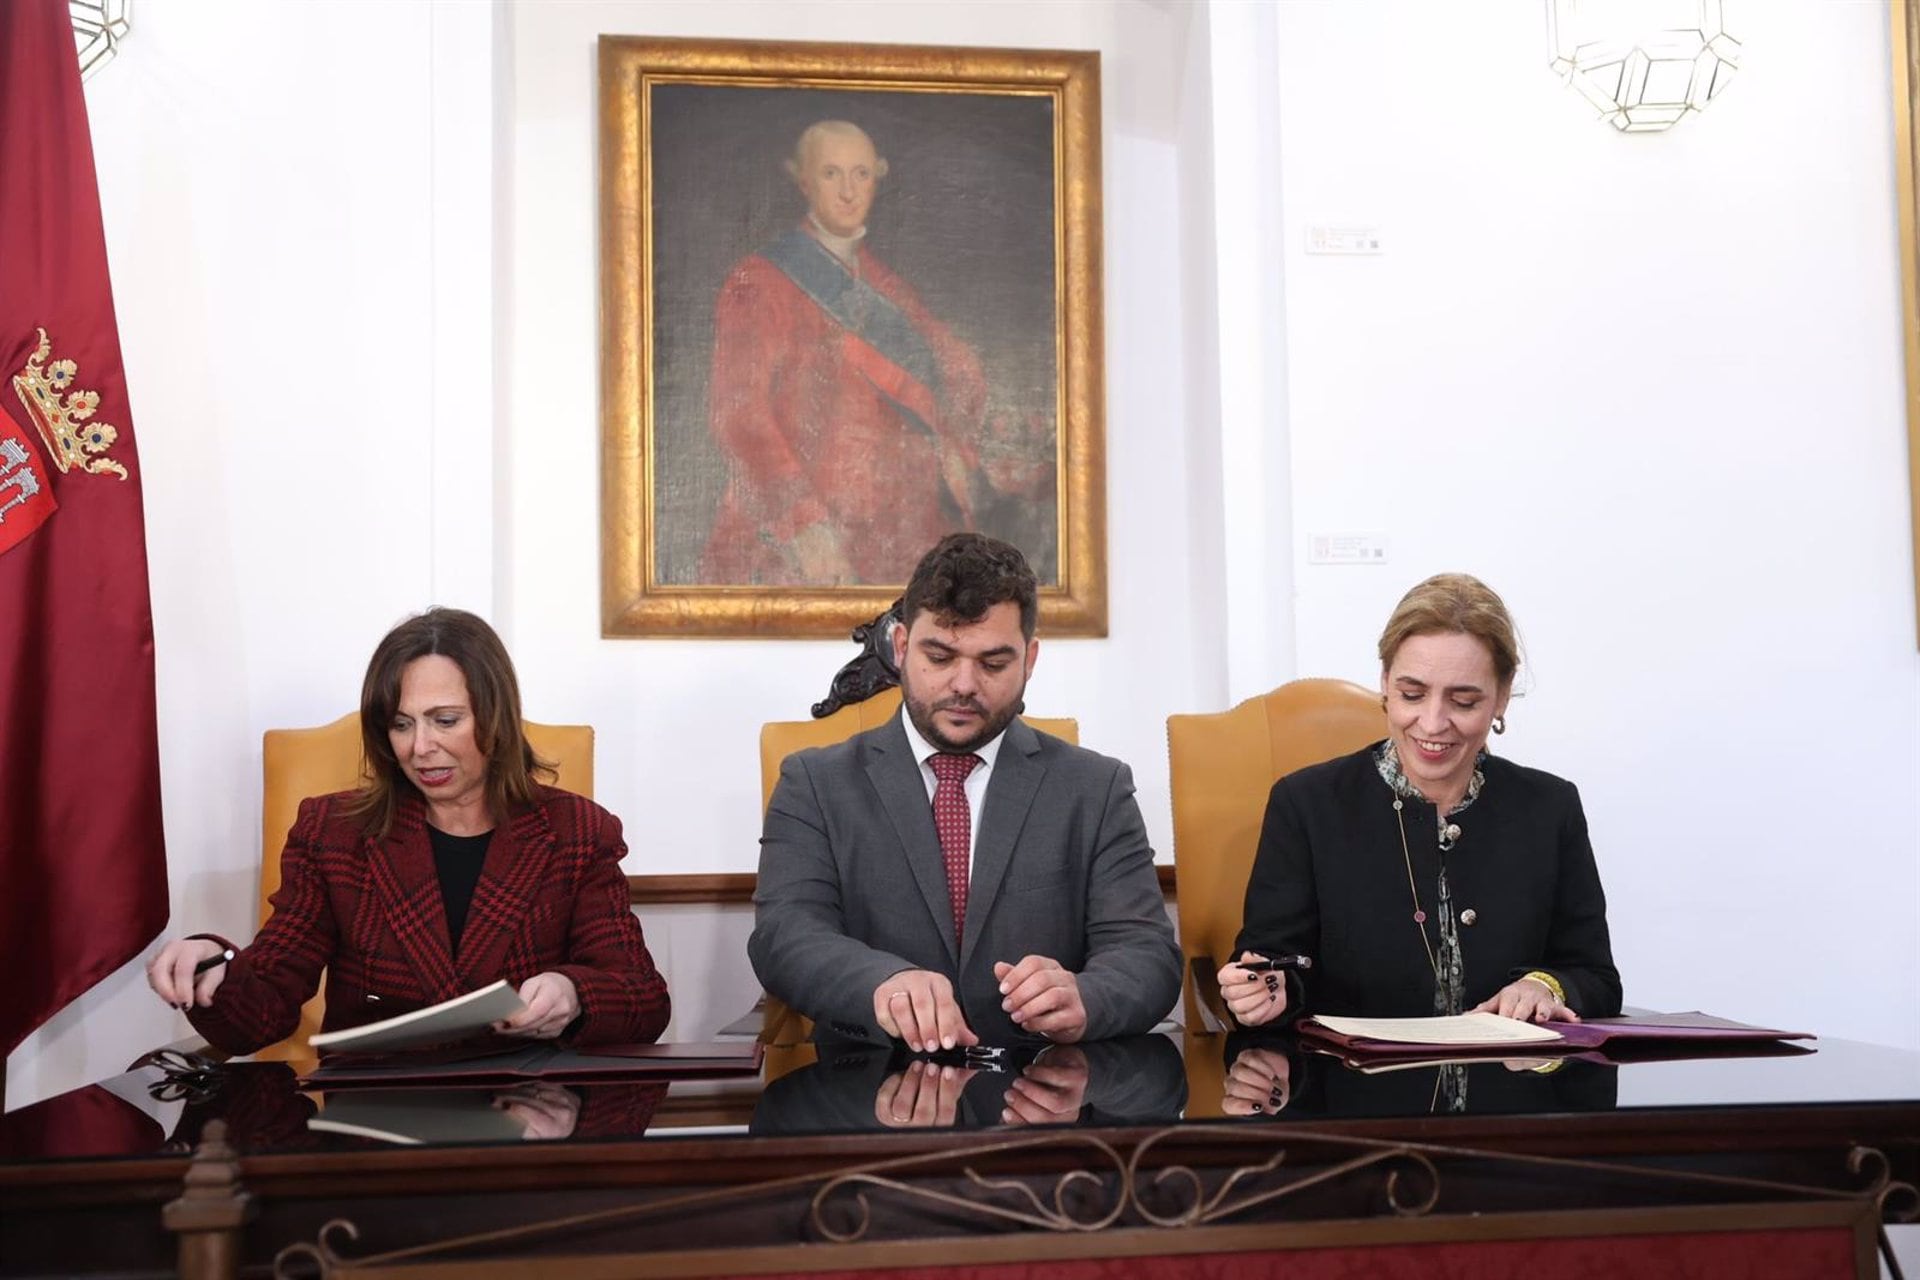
point(451, 868)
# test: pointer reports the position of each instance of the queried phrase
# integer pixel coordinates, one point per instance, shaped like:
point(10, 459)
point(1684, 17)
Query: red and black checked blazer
point(551, 897)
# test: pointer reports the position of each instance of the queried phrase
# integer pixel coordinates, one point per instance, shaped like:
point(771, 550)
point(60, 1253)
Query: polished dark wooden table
point(825, 1162)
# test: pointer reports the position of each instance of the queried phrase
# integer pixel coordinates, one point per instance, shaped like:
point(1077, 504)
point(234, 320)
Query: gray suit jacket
point(852, 888)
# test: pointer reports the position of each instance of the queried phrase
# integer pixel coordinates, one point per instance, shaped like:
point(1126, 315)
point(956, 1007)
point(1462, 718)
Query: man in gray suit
point(954, 877)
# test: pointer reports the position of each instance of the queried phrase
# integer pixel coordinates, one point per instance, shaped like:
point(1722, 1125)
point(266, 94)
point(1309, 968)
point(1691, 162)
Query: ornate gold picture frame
point(1906, 133)
point(850, 300)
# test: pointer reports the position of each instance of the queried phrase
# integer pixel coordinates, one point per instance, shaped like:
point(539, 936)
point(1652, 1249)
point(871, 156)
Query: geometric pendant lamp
point(98, 28)
point(1643, 64)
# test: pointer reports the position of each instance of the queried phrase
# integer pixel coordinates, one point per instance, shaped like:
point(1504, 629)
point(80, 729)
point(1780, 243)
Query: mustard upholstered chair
point(311, 762)
point(780, 739)
point(1221, 768)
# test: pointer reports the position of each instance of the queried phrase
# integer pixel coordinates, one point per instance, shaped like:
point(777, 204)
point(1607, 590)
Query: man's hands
point(924, 1095)
point(917, 1006)
point(1253, 998)
point(1529, 1000)
point(551, 1002)
point(1043, 998)
point(1051, 1090)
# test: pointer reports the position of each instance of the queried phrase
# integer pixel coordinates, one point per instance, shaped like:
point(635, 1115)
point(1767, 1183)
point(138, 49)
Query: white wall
point(271, 225)
point(1650, 388)
point(317, 272)
point(679, 720)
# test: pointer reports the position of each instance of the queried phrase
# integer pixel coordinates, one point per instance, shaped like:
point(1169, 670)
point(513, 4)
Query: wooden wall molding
point(1906, 167)
point(727, 888)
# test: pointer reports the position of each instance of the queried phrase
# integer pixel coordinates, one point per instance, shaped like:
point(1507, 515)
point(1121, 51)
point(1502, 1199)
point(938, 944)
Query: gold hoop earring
point(1499, 724)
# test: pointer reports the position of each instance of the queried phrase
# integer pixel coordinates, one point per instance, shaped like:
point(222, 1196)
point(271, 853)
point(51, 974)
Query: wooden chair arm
point(1204, 973)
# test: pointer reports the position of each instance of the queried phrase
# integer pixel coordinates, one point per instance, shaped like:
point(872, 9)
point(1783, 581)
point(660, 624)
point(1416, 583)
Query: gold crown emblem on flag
point(62, 414)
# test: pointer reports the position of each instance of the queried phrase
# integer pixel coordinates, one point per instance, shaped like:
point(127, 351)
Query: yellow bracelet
point(1548, 981)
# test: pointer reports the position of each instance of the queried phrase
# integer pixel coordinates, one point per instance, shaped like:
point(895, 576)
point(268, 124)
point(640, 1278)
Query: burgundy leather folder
point(1637, 1036)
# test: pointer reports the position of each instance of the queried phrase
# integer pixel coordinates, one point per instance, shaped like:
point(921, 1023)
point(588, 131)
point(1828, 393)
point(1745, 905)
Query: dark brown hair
point(967, 574)
point(470, 644)
point(1455, 604)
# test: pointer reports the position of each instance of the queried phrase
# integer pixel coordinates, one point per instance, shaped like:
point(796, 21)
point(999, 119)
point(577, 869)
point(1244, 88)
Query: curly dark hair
point(967, 574)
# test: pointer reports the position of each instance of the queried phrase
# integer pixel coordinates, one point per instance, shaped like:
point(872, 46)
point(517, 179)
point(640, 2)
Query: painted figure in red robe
point(855, 425)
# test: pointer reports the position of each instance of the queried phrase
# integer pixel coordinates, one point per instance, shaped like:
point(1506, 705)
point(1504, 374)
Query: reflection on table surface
point(1277, 1077)
point(163, 1105)
point(1138, 1080)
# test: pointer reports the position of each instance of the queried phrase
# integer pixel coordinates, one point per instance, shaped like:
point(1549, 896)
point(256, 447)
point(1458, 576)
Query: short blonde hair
point(1455, 604)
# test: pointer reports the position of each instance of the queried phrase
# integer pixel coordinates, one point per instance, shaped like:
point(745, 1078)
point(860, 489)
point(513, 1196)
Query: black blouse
point(458, 860)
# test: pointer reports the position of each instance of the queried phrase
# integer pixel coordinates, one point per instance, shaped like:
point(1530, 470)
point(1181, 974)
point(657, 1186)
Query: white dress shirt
point(976, 781)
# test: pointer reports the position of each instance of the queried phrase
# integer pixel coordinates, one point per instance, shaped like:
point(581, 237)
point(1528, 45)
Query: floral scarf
point(1449, 972)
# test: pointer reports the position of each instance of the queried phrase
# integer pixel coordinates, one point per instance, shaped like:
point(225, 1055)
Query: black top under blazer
point(1330, 882)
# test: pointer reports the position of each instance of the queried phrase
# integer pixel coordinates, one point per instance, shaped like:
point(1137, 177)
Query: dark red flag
point(83, 879)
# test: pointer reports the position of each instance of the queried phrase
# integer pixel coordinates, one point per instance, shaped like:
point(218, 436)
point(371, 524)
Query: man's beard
point(921, 713)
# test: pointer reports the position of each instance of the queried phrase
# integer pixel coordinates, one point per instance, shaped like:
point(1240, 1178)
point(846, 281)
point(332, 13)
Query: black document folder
point(602, 1064)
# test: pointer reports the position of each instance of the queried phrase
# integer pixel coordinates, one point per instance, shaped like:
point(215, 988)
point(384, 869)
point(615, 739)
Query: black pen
point(213, 962)
point(1277, 962)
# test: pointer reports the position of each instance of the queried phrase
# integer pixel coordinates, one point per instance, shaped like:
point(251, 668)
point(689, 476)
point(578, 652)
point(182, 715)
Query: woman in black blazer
point(1422, 875)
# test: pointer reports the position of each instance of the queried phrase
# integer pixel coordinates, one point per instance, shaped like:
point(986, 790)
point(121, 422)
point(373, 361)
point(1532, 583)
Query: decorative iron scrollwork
point(1897, 1201)
point(1033, 1211)
point(1232, 1196)
point(1105, 1185)
point(321, 1252)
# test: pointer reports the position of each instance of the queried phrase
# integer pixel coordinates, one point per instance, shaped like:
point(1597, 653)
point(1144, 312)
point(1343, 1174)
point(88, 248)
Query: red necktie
point(953, 820)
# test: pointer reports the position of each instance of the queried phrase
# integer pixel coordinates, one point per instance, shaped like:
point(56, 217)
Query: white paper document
point(1465, 1028)
point(414, 1116)
point(455, 1019)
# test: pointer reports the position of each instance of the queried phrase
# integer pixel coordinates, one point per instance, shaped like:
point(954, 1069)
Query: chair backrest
point(780, 739)
point(311, 762)
point(1221, 767)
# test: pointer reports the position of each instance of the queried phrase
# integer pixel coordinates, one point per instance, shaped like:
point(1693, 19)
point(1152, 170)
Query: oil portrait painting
point(849, 304)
